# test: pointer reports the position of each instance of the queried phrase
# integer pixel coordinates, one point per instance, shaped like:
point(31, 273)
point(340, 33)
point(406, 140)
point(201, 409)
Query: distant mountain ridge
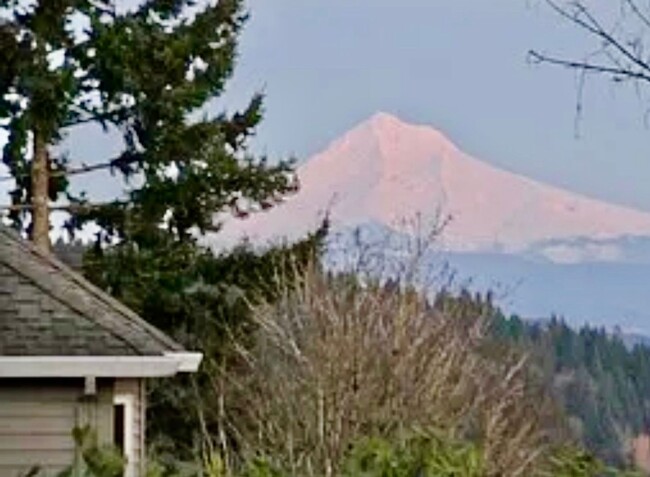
point(387, 171)
point(546, 251)
point(601, 293)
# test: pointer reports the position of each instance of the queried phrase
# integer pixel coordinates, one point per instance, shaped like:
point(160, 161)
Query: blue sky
point(458, 65)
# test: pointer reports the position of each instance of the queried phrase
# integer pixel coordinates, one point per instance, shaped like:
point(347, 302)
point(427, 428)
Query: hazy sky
point(458, 65)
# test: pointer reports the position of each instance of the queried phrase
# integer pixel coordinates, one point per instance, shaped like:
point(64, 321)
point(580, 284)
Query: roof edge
point(98, 366)
point(188, 362)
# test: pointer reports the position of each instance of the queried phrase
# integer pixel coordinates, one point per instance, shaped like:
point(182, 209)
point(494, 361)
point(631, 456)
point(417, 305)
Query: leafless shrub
point(333, 361)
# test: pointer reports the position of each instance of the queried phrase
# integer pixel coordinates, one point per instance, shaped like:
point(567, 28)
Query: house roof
point(46, 309)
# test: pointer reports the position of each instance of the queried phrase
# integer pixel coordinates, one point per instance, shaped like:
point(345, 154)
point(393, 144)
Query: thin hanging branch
point(618, 72)
point(643, 17)
point(622, 57)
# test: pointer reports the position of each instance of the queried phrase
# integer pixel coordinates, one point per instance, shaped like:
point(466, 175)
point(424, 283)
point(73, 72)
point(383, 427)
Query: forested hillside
point(602, 383)
point(601, 380)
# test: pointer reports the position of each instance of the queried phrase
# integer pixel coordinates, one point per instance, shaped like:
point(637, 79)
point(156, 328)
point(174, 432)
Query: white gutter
point(98, 366)
point(187, 362)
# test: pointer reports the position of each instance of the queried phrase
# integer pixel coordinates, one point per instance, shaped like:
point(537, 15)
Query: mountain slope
point(386, 171)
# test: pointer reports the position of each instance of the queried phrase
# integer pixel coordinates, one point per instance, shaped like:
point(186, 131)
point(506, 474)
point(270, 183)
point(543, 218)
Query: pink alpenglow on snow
point(386, 171)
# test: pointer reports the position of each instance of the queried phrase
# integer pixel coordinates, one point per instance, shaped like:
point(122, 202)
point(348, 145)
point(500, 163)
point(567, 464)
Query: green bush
point(417, 454)
point(421, 455)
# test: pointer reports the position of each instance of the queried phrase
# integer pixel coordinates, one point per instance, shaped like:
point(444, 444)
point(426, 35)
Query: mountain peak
point(386, 171)
point(388, 128)
point(383, 119)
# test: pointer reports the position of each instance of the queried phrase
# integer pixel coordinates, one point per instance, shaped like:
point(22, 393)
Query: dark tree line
point(602, 382)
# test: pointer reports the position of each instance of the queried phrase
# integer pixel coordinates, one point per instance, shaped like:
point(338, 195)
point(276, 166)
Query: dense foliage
point(204, 301)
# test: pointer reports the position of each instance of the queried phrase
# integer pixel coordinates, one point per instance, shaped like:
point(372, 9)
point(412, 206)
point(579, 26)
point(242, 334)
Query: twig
point(586, 66)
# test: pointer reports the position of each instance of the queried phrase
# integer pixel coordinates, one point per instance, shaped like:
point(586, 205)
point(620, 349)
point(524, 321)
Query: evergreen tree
point(146, 73)
point(143, 72)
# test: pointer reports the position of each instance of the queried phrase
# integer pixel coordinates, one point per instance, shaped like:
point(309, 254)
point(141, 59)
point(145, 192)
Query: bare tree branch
point(617, 72)
point(637, 11)
point(621, 47)
point(621, 58)
point(593, 26)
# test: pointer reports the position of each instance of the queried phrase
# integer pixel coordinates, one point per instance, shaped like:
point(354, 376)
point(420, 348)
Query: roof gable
point(46, 309)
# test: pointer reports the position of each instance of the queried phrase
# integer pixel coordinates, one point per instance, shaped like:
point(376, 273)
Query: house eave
point(98, 366)
point(188, 362)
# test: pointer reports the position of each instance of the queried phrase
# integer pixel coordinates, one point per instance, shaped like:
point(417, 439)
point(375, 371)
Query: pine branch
point(90, 116)
point(83, 169)
point(61, 208)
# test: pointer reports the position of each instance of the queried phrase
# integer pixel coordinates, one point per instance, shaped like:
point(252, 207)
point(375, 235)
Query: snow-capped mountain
point(388, 172)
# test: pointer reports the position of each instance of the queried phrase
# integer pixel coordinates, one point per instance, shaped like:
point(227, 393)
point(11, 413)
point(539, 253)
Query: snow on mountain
point(387, 171)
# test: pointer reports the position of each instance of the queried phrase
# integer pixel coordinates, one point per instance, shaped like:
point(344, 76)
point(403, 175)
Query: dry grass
point(332, 362)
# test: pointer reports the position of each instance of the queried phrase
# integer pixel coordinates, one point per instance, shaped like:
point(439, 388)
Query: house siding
point(37, 418)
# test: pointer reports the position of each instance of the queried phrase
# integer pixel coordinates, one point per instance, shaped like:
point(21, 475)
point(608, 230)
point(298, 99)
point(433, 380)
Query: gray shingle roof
point(46, 309)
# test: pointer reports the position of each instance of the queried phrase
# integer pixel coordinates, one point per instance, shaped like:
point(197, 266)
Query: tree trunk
point(40, 196)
